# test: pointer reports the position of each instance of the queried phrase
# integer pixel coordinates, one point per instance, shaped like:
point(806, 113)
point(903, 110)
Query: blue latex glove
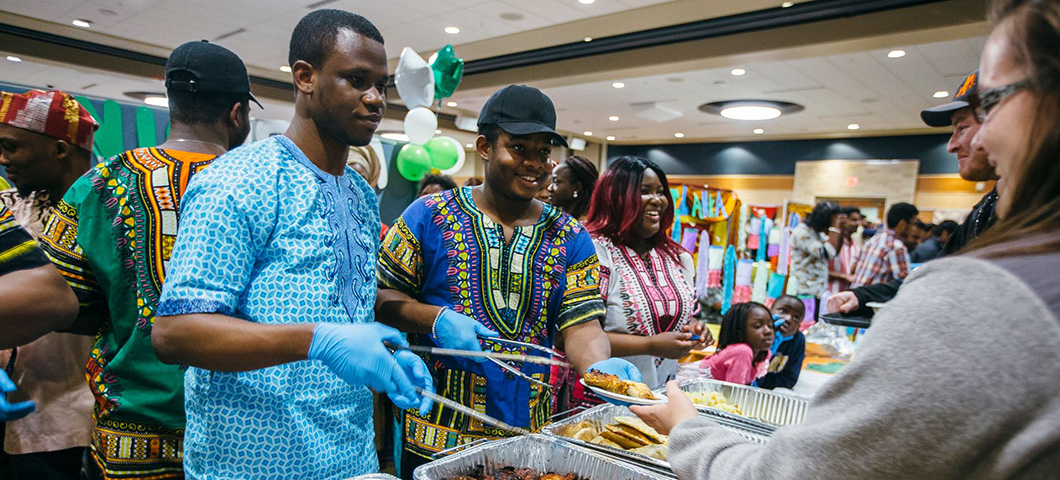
point(416, 370)
point(618, 367)
point(12, 411)
point(355, 352)
point(778, 338)
point(460, 332)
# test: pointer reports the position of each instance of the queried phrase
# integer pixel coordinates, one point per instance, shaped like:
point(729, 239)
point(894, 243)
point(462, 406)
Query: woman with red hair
point(646, 279)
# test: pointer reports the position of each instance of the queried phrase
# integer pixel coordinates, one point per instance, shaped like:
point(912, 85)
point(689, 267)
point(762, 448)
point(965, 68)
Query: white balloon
point(414, 79)
point(461, 155)
point(420, 124)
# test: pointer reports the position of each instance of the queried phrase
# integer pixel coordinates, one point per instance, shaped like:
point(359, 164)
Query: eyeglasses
point(984, 102)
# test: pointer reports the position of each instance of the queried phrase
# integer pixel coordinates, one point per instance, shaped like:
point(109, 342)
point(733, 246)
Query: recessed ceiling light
point(587, 133)
point(285, 69)
point(437, 132)
point(750, 109)
point(450, 104)
point(610, 138)
point(613, 118)
point(618, 85)
point(738, 71)
point(12, 58)
point(750, 112)
point(853, 126)
point(397, 137)
point(896, 54)
point(82, 23)
point(941, 94)
point(469, 145)
point(586, 2)
point(759, 131)
point(679, 135)
point(452, 30)
point(157, 101)
point(786, 4)
point(587, 39)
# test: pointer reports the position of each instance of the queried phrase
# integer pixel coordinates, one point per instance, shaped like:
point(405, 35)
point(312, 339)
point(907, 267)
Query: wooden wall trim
point(924, 183)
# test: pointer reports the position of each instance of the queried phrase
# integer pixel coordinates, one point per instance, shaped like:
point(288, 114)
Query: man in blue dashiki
point(273, 267)
point(498, 262)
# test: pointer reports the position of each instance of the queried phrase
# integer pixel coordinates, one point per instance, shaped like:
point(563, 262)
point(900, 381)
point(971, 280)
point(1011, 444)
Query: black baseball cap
point(521, 110)
point(940, 116)
point(214, 69)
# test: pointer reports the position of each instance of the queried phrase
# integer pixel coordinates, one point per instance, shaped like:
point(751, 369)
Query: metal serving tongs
point(533, 346)
point(516, 372)
point(457, 407)
point(511, 357)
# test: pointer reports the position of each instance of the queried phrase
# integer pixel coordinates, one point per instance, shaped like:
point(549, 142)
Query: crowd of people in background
point(232, 304)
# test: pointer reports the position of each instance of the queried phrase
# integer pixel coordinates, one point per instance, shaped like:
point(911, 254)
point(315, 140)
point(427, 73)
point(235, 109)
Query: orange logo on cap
point(968, 83)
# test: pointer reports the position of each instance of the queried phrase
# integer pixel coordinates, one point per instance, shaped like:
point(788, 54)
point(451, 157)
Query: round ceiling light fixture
point(751, 110)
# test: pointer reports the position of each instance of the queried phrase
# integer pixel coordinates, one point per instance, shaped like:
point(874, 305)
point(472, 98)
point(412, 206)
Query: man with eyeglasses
point(963, 114)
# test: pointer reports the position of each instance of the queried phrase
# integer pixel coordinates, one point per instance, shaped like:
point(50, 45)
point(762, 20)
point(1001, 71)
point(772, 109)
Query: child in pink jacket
point(743, 345)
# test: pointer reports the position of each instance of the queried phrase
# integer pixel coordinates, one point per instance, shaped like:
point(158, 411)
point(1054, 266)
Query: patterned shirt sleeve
point(898, 261)
point(400, 264)
point(603, 257)
point(59, 241)
point(18, 250)
point(221, 234)
point(581, 300)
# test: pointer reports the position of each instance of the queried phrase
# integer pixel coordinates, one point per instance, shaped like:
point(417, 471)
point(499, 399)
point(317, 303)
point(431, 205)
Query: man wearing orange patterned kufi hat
point(46, 145)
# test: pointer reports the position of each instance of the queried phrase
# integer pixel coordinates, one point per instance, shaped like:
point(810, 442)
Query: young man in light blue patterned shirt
point(270, 291)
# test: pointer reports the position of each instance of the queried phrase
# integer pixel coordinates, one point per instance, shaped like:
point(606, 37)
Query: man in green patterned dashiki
point(493, 261)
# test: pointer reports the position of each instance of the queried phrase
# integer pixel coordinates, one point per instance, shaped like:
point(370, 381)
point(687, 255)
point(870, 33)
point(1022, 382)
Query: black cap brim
point(940, 116)
point(255, 100)
point(530, 128)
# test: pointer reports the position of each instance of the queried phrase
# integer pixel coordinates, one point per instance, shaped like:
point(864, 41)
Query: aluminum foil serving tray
point(601, 415)
point(374, 476)
point(537, 452)
point(762, 409)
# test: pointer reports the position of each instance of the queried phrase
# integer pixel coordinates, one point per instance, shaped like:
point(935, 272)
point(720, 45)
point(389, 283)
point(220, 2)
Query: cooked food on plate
point(713, 400)
point(614, 384)
point(626, 433)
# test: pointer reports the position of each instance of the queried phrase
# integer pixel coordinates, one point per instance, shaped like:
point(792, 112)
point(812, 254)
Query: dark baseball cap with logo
point(940, 116)
point(521, 110)
point(212, 68)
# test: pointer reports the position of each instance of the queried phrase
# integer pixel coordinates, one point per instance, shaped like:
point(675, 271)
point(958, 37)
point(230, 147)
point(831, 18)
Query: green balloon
point(444, 152)
point(448, 71)
point(413, 162)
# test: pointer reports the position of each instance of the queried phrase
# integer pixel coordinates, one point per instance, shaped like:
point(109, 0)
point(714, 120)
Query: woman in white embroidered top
point(646, 279)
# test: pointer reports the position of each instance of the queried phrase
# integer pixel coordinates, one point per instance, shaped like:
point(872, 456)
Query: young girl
point(743, 346)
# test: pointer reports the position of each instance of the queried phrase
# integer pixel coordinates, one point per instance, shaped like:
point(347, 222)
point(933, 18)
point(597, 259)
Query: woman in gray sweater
point(931, 393)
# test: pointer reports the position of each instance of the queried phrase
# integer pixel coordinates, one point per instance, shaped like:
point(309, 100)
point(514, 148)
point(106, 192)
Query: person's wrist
point(319, 340)
point(437, 317)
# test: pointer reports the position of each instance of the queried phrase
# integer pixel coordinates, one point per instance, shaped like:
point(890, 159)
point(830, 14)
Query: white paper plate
point(624, 399)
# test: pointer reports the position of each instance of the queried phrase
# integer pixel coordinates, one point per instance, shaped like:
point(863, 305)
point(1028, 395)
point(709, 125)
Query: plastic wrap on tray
point(601, 415)
point(763, 409)
point(536, 452)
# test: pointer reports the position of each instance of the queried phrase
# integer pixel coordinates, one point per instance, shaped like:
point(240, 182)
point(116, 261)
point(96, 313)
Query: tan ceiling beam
point(932, 22)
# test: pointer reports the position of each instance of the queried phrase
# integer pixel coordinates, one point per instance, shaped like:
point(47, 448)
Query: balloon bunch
point(420, 85)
